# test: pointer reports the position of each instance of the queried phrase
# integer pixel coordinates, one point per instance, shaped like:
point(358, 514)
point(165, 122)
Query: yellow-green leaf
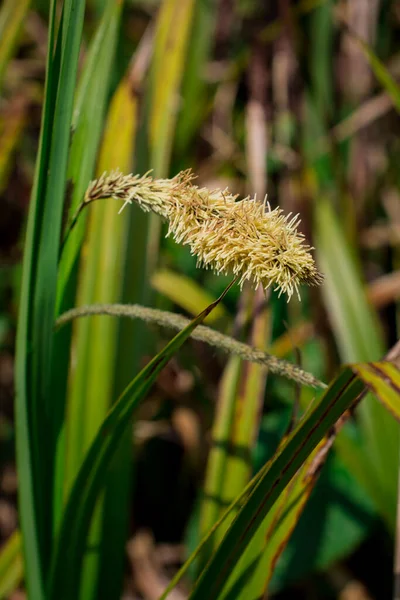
point(186, 293)
point(171, 40)
point(12, 16)
point(383, 380)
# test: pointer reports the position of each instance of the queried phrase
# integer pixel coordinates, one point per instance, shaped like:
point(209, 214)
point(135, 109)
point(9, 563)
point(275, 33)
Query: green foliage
point(208, 91)
point(66, 564)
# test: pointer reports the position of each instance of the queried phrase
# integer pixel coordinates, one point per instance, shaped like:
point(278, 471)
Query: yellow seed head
point(242, 237)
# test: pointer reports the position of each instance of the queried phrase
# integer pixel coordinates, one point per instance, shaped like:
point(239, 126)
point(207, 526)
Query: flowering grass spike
point(243, 237)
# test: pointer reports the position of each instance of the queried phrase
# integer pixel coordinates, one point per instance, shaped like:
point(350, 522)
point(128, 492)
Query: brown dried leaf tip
point(242, 237)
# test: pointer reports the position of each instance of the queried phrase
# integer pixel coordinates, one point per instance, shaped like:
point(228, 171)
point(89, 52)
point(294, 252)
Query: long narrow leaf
point(95, 346)
point(87, 123)
point(30, 460)
point(212, 503)
point(381, 73)
point(310, 430)
point(251, 577)
point(171, 40)
point(383, 379)
point(347, 303)
point(64, 581)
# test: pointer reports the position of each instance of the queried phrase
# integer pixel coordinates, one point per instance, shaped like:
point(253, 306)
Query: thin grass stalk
point(88, 116)
point(34, 503)
point(131, 267)
point(66, 564)
point(204, 334)
point(105, 266)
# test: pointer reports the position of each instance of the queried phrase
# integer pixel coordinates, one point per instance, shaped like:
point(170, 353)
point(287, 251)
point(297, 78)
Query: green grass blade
point(171, 41)
point(235, 429)
point(258, 562)
point(88, 119)
point(273, 504)
point(212, 497)
point(46, 285)
point(194, 104)
point(359, 337)
point(54, 187)
point(123, 120)
point(344, 292)
point(321, 33)
point(91, 383)
point(381, 73)
point(67, 558)
point(383, 379)
point(237, 443)
point(309, 432)
point(212, 504)
point(33, 505)
point(87, 123)
point(207, 539)
point(249, 405)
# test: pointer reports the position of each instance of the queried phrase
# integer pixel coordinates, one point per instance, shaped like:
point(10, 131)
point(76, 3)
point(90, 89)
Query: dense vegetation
point(237, 446)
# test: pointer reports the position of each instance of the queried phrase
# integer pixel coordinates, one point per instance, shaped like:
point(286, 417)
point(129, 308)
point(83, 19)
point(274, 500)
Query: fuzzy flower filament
point(243, 237)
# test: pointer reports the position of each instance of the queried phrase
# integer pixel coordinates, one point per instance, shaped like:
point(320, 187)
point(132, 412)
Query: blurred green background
point(297, 99)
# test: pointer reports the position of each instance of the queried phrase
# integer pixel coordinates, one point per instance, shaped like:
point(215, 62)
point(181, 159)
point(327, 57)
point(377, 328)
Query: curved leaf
point(70, 546)
point(285, 464)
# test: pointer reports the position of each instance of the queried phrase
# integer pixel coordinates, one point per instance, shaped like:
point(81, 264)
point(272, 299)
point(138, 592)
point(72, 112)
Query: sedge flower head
point(243, 237)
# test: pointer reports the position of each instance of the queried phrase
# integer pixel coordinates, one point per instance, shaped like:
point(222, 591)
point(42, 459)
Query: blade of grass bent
point(257, 564)
point(210, 336)
point(310, 430)
point(206, 540)
point(64, 581)
point(381, 72)
point(288, 514)
point(383, 379)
